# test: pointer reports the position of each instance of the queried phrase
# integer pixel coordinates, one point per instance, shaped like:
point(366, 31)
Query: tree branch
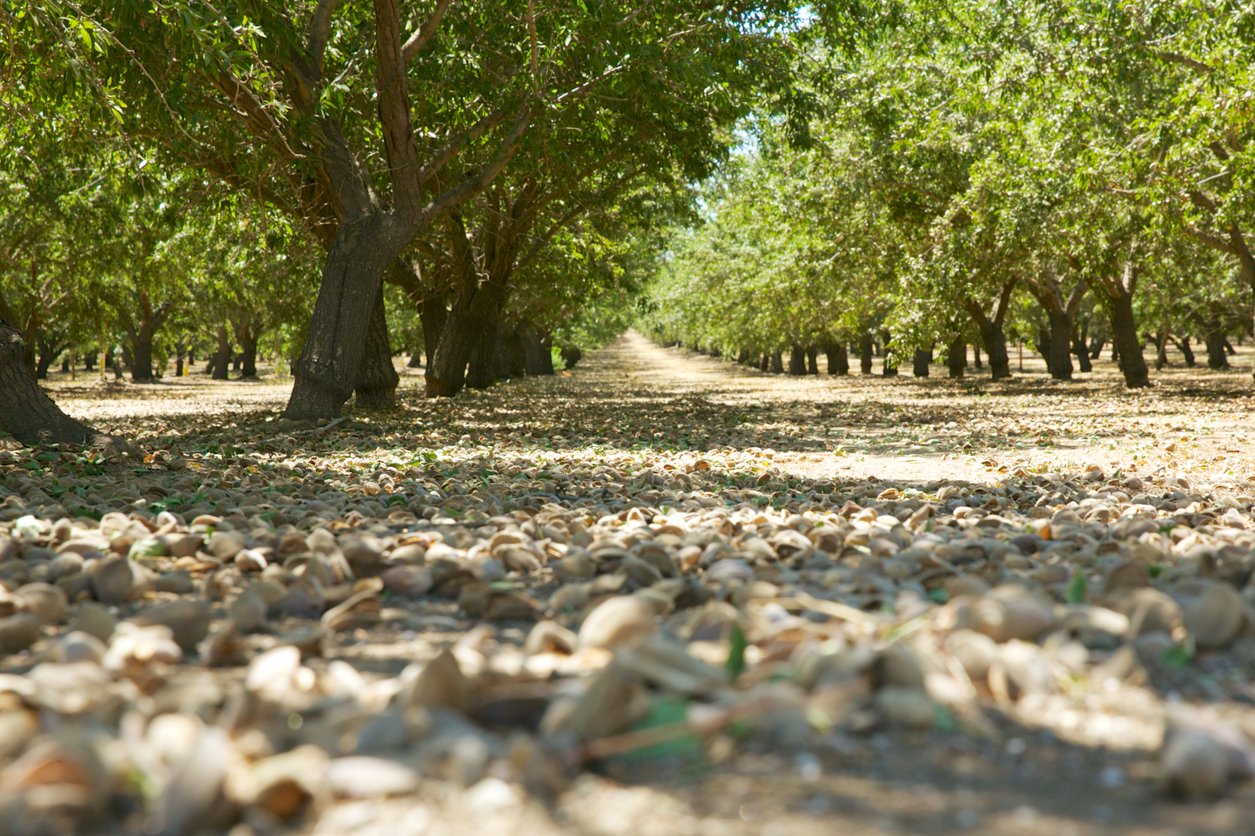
point(320, 32)
point(414, 43)
point(394, 108)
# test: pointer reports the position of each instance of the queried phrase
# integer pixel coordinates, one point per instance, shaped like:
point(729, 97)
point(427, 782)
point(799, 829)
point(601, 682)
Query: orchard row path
point(659, 593)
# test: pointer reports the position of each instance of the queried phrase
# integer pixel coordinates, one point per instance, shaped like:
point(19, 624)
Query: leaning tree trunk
point(1127, 345)
point(29, 415)
point(1186, 351)
point(838, 358)
point(377, 378)
point(326, 373)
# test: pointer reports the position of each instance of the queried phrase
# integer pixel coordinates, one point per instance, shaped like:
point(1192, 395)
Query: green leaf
point(1078, 589)
point(736, 651)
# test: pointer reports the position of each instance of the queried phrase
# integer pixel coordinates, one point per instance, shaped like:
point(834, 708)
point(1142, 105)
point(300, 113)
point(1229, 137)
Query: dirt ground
point(1067, 760)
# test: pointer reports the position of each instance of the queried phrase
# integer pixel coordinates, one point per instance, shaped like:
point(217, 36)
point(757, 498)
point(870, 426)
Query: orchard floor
point(640, 438)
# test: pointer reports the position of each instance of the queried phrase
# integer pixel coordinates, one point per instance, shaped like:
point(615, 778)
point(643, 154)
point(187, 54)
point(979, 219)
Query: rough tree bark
point(377, 378)
point(29, 415)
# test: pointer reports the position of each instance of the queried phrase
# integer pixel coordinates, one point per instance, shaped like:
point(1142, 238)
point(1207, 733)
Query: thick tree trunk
point(220, 363)
point(514, 352)
point(1060, 345)
point(956, 357)
point(764, 363)
point(1213, 339)
point(1128, 346)
point(327, 370)
point(995, 341)
point(142, 353)
point(838, 358)
point(248, 355)
point(777, 363)
point(29, 415)
point(797, 360)
point(920, 362)
point(572, 354)
point(537, 358)
point(377, 378)
point(865, 348)
point(812, 360)
point(433, 313)
point(482, 371)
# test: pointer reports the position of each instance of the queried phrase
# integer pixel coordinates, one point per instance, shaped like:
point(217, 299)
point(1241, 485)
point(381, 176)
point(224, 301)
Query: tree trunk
point(1161, 347)
point(764, 363)
point(838, 358)
point(888, 368)
point(220, 363)
point(956, 357)
point(482, 367)
point(1213, 339)
point(514, 352)
point(572, 354)
point(29, 415)
point(922, 359)
point(777, 363)
point(976, 361)
point(995, 341)
point(1060, 345)
point(1124, 339)
point(812, 360)
point(1186, 351)
point(331, 359)
point(797, 361)
point(537, 358)
point(1080, 348)
point(142, 353)
point(48, 353)
point(377, 378)
point(433, 313)
point(248, 355)
point(865, 347)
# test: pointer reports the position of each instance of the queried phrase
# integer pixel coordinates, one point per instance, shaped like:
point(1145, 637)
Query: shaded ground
point(908, 497)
